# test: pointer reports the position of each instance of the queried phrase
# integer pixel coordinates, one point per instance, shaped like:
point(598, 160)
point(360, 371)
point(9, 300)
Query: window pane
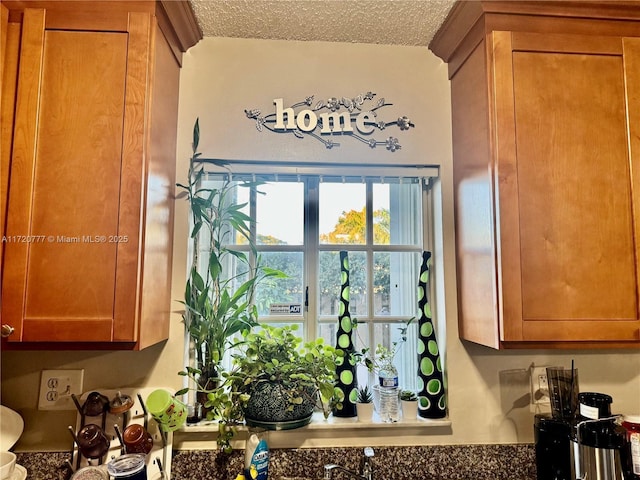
point(281, 290)
point(395, 283)
point(381, 235)
point(362, 340)
point(342, 213)
point(327, 330)
point(280, 213)
point(241, 197)
point(235, 271)
point(329, 283)
point(397, 213)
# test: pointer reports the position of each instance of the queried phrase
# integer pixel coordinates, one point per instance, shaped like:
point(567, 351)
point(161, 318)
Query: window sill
point(321, 432)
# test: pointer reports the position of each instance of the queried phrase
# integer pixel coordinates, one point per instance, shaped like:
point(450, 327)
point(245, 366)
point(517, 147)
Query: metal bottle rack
point(158, 460)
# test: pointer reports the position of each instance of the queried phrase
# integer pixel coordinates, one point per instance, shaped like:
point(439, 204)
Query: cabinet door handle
point(7, 330)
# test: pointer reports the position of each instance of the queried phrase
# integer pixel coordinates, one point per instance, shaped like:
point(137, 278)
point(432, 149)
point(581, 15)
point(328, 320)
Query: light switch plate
point(56, 387)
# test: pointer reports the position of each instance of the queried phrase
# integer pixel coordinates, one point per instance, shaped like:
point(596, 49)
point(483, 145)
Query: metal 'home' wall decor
point(333, 116)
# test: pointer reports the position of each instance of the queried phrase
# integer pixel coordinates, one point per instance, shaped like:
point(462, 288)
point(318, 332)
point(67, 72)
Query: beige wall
point(221, 78)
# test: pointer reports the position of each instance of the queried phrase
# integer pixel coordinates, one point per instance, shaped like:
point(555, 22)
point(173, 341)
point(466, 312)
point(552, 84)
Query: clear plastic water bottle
point(389, 404)
point(388, 391)
point(388, 376)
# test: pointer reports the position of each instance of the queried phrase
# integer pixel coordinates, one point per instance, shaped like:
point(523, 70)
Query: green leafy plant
point(277, 355)
point(218, 304)
point(364, 395)
point(305, 372)
point(408, 396)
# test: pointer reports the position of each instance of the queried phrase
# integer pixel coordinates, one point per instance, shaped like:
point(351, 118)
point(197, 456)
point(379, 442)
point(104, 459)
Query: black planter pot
point(269, 407)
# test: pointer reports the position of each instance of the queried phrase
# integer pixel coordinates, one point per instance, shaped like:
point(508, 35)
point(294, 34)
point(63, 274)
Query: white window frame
point(314, 434)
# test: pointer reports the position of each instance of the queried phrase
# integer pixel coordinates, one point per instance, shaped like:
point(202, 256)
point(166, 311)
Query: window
point(305, 217)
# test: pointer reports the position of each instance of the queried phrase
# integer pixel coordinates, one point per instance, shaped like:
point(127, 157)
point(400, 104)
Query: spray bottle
point(256, 456)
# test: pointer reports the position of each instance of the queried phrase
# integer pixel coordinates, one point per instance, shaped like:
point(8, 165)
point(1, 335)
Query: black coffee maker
point(553, 432)
point(580, 439)
point(553, 447)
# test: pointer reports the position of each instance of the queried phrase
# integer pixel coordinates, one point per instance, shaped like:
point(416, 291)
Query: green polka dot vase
point(432, 397)
point(346, 385)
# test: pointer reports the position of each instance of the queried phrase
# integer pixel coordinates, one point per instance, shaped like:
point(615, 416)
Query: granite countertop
point(437, 462)
point(458, 462)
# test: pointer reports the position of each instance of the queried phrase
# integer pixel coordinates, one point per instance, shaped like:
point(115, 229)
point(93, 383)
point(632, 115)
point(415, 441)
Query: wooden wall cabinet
point(88, 225)
point(546, 146)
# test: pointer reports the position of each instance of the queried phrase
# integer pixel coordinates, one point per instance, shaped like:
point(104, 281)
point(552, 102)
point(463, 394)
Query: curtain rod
point(330, 170)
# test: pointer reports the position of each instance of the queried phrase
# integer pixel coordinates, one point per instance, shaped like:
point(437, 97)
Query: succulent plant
point(408, 396)
point(364, 395)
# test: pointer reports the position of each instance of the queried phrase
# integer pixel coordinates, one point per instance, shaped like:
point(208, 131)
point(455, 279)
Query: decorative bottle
point(432, 397)
point(345, 367)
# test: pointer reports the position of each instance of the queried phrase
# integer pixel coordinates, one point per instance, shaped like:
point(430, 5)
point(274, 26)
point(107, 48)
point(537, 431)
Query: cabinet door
point(73, 223)
point(567, 228)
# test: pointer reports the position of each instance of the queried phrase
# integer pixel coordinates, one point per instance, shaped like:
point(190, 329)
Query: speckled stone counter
point(440, 462)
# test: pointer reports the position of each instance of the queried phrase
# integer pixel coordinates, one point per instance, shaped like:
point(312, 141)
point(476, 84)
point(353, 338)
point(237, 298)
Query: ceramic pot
point(365, 412)
point(269, 405)
point(409, 409)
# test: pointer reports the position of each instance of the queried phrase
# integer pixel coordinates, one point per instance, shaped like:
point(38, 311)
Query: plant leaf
point(197, 281)
point(181, 392)
point(196, 135)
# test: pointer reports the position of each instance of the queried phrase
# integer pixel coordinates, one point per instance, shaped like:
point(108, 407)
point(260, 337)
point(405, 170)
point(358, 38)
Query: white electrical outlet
point(539, 388)
point(56, 387)
point(540, 382)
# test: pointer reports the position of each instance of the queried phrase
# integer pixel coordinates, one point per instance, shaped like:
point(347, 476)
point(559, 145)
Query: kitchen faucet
point(366, 467)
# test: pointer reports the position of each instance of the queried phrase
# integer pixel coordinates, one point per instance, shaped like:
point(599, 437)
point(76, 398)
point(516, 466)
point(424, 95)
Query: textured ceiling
point(392, 22)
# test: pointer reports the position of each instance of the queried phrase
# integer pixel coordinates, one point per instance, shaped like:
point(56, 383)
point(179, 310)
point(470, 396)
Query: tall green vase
point(432, 397)
point(346, 368)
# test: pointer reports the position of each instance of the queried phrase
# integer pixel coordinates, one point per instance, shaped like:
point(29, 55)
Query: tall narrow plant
point(218, 303)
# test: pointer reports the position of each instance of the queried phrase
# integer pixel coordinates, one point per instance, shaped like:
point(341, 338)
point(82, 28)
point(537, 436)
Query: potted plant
point(409, 403)
point(383, 363)
point(383, 357)
point(277, 382)
point(364, 404)
point(218, 302)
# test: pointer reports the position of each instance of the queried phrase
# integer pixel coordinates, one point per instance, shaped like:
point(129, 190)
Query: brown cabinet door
point(72, 262)
point(567, 228)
